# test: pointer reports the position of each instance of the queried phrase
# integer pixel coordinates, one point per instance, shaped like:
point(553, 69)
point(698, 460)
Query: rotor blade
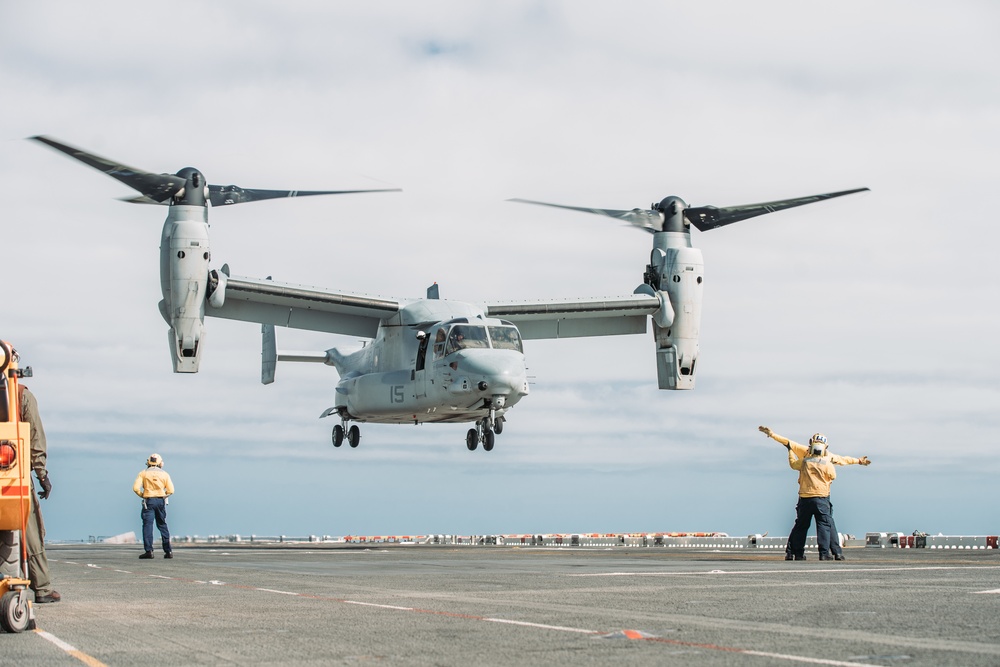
point(224, 195)
point(156, 187)
point(709, 217)
point(647, 220)
point(141, 199)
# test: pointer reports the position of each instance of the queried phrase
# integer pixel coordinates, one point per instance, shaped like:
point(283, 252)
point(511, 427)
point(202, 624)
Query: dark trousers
point(805, 510)
point(835, 547)
point(155, 509)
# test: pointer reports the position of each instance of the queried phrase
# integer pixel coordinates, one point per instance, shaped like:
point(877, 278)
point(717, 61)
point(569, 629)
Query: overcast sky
point(872, 318)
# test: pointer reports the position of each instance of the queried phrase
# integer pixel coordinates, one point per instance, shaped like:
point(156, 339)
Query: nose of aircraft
point(496, 371)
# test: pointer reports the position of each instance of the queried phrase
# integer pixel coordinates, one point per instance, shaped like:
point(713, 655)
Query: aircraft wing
point(300, 307)
point(573, 318)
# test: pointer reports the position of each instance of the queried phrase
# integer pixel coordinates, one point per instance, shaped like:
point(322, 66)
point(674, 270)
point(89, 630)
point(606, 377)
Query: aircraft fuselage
point(461, 368)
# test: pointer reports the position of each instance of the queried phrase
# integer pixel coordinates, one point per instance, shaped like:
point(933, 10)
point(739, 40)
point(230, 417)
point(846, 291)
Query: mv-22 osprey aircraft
point(429, 360)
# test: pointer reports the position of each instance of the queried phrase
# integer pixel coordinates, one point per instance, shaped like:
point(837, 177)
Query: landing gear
point(485, 432)
point(341, 431)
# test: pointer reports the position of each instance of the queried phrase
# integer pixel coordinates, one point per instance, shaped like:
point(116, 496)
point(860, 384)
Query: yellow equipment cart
point(16, 611)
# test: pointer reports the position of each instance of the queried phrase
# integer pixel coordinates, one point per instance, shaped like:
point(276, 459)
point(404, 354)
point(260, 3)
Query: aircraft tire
point(353, 436)
point(472, 439)
point(338, 435)
point(498, 425)
point(488, 439)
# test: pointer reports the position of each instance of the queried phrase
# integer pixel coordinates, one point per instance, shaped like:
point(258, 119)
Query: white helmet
point(155, 460)
point(817, 444)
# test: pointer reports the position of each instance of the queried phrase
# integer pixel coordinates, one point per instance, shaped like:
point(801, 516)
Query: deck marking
point(88, 660)
point(540, 625)
point(785, 571)
point(995, 590)
point(271, 590)
point(800, 658)
point(380, 606)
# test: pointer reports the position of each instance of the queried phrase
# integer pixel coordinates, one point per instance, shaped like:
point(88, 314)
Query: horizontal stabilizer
point(312, 357)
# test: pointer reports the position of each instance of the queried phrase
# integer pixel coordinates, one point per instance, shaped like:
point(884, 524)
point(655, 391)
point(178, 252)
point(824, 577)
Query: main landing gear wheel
point(14, 612)
point(498, 425)
point(472, 439)
point(488, 440)
point(338, 435)
point(353, 435)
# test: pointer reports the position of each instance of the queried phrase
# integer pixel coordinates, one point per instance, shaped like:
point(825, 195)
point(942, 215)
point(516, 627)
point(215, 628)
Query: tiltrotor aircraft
point(430, 359)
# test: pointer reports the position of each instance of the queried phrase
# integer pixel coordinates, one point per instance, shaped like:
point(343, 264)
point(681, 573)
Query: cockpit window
point(506, 338)
point(439, 341)
point(465, 336)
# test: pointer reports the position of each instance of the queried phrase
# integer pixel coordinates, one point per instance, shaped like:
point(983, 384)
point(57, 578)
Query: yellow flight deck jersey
point(815, 475)
point(802, 451)
point(153, 483)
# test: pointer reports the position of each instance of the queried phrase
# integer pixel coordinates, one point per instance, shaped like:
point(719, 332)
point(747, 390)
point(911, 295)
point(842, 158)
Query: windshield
point(465, 336)
point(506, 338)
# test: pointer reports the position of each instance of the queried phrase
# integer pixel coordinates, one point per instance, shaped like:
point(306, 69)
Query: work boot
point(800, 557)
point(53, 596)
point(838, 556)
point(789, 557)
point(168, 554)
point(826, 557)
point(147, 554)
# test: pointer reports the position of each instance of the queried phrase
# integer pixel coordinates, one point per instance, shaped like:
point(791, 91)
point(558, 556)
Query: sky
point(871, 318)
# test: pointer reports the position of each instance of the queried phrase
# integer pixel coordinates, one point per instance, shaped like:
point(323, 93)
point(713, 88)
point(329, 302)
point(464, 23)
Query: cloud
point(865, 317)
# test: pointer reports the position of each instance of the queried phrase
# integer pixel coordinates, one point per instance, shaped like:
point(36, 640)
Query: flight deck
point(328, 604)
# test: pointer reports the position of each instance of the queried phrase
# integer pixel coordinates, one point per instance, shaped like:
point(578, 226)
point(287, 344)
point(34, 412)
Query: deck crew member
point(154, 485)
point(802, 451)
point(34, 537)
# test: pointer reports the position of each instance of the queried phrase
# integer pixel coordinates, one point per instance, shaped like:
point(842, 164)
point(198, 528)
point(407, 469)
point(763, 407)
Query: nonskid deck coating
point(394, 604)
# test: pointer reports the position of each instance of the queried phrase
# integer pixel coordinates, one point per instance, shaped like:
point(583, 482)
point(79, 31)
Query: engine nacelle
point(678, 270)
point(184, 259)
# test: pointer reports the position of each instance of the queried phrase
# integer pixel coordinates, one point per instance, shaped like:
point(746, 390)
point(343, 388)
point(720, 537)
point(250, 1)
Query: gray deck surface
point(446, 605)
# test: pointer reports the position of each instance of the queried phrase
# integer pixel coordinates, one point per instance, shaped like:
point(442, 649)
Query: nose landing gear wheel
point(353, 436)
point(488, 440)
point(472, 439)
point(338, 435)
point(14, 612)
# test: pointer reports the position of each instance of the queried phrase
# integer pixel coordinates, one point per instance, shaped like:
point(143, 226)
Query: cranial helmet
point(155, 460)
point(817, 444)
point(7, 354)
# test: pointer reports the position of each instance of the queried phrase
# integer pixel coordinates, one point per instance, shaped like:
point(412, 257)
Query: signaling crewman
point(153, 485)
point(816, 473)
point(801, 451)
point(34, 537)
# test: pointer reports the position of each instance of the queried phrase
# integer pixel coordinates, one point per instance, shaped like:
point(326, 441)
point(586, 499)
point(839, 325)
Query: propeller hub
point(195, 190)
point(671, 210)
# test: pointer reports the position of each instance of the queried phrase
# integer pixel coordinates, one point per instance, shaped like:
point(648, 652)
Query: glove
point(765, 430)
point(864, 461)
point(46, 485)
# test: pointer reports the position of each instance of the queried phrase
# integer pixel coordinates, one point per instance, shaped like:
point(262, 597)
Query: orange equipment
point(16, 611)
